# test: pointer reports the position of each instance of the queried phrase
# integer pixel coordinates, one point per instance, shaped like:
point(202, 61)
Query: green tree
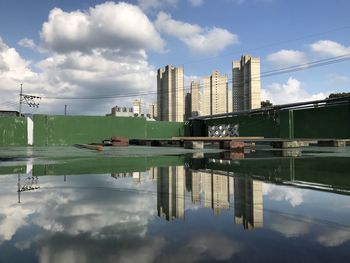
point(265, 104)
point(338, 95)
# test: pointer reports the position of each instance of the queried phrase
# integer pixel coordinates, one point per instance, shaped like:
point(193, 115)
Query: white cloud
point(334, 238)
point(285, 58)
point(148, 5)
point(27, 42)
point(280, 193)
point(75, 74)
point(289, 92)
point(14, 70)
point(207, 246)
point(198, 39)
point(290, 227)
point(338, 80)
point(98, 52)
point(329, 48)
point(196, 2)
point(109, 25)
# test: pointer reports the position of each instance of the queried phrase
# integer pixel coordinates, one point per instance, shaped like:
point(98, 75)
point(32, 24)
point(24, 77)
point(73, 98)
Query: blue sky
point(93, 48)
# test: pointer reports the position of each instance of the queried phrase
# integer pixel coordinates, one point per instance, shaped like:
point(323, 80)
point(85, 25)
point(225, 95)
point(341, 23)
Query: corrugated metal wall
point(323, 122)
point(13, 131)
point(68, 130)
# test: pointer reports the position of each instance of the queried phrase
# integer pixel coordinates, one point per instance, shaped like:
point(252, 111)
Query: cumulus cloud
point(27, 42)
point(338, 80)
point(198, 39)
point(148, 5)
point(15, 70)
point(109, 25)
point(329, 48)
point(101, 51)
point(73, 223)
point(206, 247)
point(196, 2)
point(291, 91)
point(279, 193)
point(285, 58)
point(290, 227)
point(334, 238)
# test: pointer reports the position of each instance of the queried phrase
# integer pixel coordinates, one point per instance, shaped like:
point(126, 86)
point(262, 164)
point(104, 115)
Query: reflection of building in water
point(171, 192)
point(121, 175)
point(216, 189)
point(136, 177)
point(153, 173)
point(196, 187)
point(248, 201)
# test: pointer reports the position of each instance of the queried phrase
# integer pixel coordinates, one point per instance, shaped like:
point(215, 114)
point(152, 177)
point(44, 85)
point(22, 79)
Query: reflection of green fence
point(107, 165)
point(100, 165)
point(323, 122)
point(331, 171)
point(13, 131)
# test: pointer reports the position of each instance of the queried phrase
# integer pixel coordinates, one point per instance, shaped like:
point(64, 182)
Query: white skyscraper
point(246, 83)
point(170, 94)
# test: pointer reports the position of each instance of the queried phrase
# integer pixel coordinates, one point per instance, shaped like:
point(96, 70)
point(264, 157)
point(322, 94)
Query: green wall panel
point(330, 122)
point(161, 129)
point(68, 130)
point(265, 125)
point(13, 131)
point(322, 122)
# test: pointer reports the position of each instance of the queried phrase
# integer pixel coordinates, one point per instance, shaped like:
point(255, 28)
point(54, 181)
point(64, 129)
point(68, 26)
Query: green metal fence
point(68, 130)
point(13, 131)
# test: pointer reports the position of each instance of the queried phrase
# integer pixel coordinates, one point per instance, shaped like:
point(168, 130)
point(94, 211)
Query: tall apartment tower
point(152, 111)
point(170, 94)
point(137, 107)
point(215, 91)
point(187, 105)
point(246, 83)
point(195, 99)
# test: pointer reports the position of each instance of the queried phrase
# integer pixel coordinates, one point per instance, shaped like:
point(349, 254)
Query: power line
point(280, 71)
point(271, 44)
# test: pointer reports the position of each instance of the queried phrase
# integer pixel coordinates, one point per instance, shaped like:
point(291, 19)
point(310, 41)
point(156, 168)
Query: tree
point(265, 104)
point(338, 95)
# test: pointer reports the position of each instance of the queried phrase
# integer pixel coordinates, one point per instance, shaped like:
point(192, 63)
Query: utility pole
point(27, 100)
point(65, 109)
point(20, 101)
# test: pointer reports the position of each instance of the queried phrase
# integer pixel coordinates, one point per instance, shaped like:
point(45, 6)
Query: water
point(81, 206)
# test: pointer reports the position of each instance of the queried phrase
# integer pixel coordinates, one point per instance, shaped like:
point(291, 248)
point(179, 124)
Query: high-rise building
point(195, 99)
point(170, 94)
point(215, 91)
point(188, 105)
point(229, 101)
point(246, 83)
point(152, 111)
point(137, 107)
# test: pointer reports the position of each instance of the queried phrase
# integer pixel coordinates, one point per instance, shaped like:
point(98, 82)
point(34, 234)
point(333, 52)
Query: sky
point(91, 48)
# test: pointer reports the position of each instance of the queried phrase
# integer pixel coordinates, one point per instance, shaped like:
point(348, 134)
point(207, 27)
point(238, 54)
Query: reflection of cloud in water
point(333, 238)
point(205, 246)
point(83, 249)
point(328, 235)
point(289, 227)
point(279, 193)
point(96, 213)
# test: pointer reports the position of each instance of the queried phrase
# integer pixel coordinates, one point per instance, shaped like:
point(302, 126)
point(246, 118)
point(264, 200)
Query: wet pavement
point(149, 204)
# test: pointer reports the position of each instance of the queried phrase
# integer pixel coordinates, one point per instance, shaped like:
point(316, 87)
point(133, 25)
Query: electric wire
point(284, 70)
